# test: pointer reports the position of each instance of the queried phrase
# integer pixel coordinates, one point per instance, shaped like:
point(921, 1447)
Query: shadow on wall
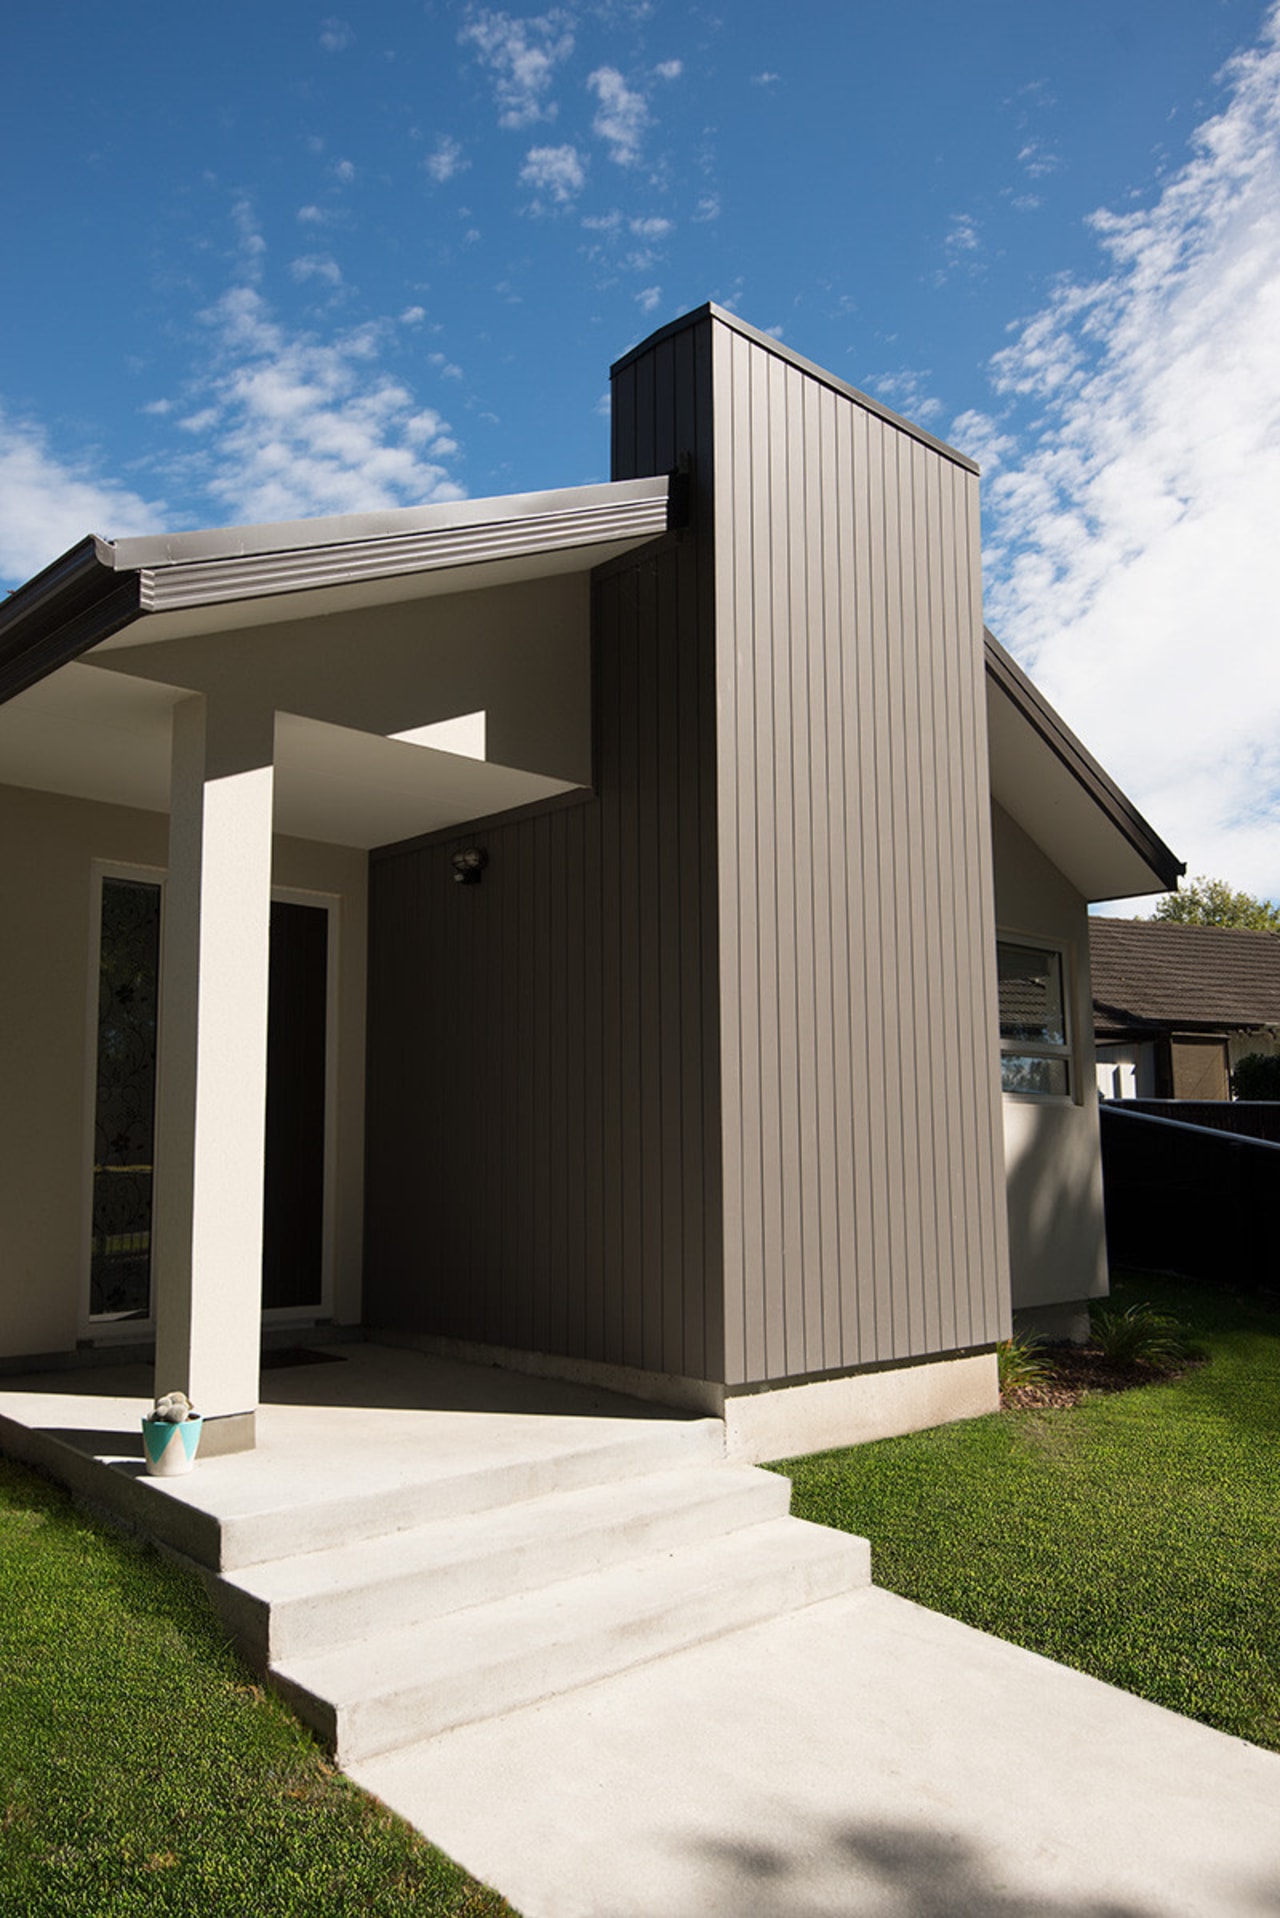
point(910, 1873)
point(1057, 1242)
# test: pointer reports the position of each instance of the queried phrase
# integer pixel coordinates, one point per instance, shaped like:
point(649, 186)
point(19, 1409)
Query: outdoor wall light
point(468, 865)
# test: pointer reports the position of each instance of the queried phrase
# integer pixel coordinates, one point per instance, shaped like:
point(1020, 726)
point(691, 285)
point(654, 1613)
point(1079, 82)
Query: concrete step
point(323, 1599)
point(427, 1484)
point(395, 1688)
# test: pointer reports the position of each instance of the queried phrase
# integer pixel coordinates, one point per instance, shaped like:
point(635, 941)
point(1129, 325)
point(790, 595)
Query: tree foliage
point(1257, 1076)
point(1212, 902)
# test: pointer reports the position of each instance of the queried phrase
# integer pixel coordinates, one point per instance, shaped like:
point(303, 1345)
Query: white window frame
point(1035, 1048)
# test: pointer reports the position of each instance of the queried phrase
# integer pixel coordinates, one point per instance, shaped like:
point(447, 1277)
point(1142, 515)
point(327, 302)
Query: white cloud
point(982, 438)
point(905, 391)
point(446, 160)
point(558, 171)
point(445, 367)
point(765, 79)
point(345, 171)
point(413, 316)
point(707, 208)
point(336, 35)
point(316, 266)
point(648, 298)
point(653, 228)
point(622, 115)
point(669, 69)
point(1132, 558)
point(297, 425)
point(1037, 160)
point(48, 502)
point(522, 57)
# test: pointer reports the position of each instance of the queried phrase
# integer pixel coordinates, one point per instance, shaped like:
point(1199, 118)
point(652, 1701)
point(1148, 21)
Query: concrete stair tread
point(442, 1543)
point(319, 1517)
point(393, 1687)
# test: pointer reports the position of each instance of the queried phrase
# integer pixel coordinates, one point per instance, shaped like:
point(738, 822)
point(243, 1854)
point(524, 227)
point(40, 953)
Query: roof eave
point(1005, 673)
point(71, 606)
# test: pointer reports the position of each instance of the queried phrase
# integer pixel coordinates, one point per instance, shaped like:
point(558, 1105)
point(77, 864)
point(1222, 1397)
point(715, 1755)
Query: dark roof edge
point(75, 603)
point(1005, 671)
point(710, 311)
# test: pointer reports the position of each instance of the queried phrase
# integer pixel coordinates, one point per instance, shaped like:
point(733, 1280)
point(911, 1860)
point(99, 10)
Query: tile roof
point(1215, 978)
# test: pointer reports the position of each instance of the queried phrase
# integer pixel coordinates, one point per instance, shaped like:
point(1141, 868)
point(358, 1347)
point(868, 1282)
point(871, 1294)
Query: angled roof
point(1149, 975)
point(99, 588)
point(1053, 786)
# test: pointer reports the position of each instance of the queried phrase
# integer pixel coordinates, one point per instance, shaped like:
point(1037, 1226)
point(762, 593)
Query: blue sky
point(274, 261)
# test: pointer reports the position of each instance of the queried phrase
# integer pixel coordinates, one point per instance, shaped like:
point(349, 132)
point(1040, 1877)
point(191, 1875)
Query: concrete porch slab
point(379, 1438)
point(862, 1758)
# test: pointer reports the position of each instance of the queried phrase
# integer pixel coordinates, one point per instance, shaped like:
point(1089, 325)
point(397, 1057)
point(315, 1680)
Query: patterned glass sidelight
point(124, 1112)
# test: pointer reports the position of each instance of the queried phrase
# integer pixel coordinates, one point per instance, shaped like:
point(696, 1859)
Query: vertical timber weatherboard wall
point(543, 1074)
point(702, 1078)
point(863, 1200)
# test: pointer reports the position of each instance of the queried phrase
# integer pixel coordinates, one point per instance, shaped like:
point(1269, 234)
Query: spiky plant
point(1140, 1336)
point(1020, 1362)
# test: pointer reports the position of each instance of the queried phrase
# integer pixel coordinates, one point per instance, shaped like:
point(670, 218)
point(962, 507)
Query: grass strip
point(142, 1770)
point(1135, 1537)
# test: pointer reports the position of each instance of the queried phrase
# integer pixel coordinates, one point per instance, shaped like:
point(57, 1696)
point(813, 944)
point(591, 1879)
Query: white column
point(212, 1080)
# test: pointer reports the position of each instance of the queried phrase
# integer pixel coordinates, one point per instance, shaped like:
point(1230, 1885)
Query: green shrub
point(1020, 1362)
point(1140, 1335)
point(1256, 1076)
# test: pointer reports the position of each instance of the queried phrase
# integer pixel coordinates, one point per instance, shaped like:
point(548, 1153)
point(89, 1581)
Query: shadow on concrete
point(903, 1871)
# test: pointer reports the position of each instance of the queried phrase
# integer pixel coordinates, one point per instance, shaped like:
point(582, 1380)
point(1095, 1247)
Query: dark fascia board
point(1005, 672)
point(96, 589)
point(710, 311)
point(75, 603)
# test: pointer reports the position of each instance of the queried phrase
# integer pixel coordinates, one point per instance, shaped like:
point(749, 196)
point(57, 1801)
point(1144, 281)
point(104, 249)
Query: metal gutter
point(1004, 671)
point(73, 605)
point(96, 588)
point(165, 588)
point(710, 311)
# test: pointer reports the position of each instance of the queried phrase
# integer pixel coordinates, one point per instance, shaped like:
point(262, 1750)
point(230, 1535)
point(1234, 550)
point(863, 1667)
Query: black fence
point(1191, 1199)
point(1254, 1118)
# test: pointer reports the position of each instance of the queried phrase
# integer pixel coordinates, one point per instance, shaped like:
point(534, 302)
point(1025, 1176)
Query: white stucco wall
point(1057, 1239)
point(48, 845)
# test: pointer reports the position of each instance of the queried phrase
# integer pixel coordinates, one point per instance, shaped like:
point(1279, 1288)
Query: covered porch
point(212, 731)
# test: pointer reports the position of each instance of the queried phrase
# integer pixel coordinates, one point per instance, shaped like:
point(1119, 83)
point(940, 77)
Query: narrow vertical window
point(124, 1108)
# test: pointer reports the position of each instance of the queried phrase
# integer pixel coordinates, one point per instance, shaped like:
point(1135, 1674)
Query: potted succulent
point(170, 1435)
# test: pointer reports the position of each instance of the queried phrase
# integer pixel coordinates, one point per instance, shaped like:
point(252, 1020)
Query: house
point(635, 932)
point(1175, 1007)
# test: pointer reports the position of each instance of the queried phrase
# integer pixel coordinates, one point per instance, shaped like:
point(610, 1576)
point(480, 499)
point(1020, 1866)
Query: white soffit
point(1031, 784)
point(92, 735)
point(354, 789)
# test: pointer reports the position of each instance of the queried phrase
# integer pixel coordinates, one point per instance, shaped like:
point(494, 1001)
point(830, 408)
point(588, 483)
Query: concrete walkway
point(863, 1758)
point(854, 1756)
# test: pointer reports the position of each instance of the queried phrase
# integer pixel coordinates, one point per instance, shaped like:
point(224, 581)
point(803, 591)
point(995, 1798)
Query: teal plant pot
point(171, 1449)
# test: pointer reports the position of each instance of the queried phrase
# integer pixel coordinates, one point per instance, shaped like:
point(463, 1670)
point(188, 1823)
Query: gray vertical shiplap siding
point(863, 1198)
point(702, 1077)
point(543, 1078)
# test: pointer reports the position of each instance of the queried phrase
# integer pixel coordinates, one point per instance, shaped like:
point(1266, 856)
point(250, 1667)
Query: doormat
point(276, 1360)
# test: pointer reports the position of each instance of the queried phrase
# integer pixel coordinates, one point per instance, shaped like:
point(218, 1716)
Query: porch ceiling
point(105, 736)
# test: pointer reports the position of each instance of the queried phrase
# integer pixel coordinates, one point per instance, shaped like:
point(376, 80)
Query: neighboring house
point(693, 1086)
point(1174, 1007)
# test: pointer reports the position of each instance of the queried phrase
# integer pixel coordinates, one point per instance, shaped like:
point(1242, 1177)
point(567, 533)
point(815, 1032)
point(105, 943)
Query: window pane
point(120, 1265)
point(1024, 1072)
point(1031, 995)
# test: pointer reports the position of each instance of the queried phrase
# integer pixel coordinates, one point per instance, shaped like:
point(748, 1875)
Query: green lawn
point(143, 1771)
point(1136, 1537)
